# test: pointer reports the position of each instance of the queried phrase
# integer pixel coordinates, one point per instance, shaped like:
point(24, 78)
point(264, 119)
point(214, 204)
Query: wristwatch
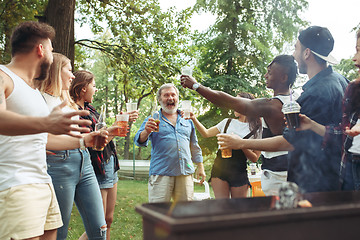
point(195, 86)
point(82, 143)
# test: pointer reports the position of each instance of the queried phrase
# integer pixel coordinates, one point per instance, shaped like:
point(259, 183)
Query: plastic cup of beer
point(156, 117)
point(186, 107)
point(291, 111)
point(131, 106)
point(99, 140)
point(122, 122)
point(226, 153)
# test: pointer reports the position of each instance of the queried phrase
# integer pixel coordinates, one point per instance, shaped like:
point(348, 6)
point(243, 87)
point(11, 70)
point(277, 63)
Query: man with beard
point(281, 75)
point(28, 206)
point(174, 148)
point(312, 167)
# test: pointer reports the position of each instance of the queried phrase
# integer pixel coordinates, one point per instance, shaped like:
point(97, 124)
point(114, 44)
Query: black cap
point(320, 41)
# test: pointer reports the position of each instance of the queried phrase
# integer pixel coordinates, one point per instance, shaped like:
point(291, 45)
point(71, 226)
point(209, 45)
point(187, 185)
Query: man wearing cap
point(312, 167)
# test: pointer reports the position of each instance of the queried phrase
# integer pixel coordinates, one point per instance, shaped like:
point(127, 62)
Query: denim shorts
point(111, 177)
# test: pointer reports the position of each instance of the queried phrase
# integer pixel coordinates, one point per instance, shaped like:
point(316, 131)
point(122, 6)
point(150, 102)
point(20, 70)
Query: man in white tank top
point(28, 206)
point(280, 76)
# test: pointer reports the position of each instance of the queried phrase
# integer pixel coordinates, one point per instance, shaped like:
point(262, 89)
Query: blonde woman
point(71, 170)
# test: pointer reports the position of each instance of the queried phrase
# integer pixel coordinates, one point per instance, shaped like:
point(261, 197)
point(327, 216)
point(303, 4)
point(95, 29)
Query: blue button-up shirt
point(173, 148)
point(312, 167)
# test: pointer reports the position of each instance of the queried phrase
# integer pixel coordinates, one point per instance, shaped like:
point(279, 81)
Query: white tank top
point(23, 158)
point(355, 147)
point(284, 99)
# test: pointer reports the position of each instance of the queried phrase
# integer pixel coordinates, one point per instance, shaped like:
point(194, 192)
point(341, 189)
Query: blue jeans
point(74, 180)
point(352, 173)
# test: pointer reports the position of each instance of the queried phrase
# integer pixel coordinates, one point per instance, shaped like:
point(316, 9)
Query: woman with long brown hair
point(105, 162)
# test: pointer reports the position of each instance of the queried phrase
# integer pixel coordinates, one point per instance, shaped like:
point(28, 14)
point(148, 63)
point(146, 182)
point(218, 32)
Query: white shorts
point(26, 211)
point(163, 188)
point(271, 181)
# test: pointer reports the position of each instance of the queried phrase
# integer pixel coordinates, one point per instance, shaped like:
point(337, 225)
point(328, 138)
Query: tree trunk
point(60, 15)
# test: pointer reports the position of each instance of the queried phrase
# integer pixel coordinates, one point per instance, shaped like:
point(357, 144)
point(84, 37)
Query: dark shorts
point(231, 170)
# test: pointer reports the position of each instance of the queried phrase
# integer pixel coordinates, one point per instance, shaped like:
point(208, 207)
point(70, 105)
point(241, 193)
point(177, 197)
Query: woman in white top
point(229, 175)
point(71, 170)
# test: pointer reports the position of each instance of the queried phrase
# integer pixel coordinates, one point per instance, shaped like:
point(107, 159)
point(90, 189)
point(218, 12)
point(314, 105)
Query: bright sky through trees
point(338, 16)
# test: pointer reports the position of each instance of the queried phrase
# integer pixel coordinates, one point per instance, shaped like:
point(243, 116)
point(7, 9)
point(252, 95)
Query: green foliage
point(12, 12)
point(137, 47)
point(237, 49)
point(347, 68)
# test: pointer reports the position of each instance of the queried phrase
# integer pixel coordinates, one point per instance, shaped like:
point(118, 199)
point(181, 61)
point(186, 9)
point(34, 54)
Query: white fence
point(134, 168)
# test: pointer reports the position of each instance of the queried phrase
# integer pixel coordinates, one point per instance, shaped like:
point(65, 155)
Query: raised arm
point(206, 133)
point(254, 108)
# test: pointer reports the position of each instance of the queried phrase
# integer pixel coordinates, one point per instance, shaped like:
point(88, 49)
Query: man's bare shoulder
point(266, 106)
point(267, 102)
point(6, 84)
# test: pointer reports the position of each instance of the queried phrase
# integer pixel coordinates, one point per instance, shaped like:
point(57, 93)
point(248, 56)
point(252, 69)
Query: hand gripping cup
point(291, 111)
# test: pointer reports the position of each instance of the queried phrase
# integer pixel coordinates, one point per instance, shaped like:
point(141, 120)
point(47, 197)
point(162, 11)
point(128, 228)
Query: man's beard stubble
point(44, 70)
point(165, 109)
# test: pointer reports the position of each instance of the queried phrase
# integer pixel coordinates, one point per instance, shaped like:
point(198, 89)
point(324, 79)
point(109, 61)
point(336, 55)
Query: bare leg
point(109, 200)
point(83, 236)
point(48, 235)
point(220, 187)
point(239, 192)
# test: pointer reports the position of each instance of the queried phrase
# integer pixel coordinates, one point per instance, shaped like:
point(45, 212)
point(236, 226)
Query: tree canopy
point(135, 46)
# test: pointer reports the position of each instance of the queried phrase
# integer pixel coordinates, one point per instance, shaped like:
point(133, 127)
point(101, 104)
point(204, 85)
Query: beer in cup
point(226, 153)
point(156, 117)
point(122, 122)
point(99, 140)
point(291, 111)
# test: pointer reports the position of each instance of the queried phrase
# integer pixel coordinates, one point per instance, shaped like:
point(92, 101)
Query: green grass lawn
point(127, 222)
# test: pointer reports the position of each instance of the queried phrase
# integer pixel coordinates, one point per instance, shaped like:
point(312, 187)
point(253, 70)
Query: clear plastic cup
point(131, 106)
point(186, 70)
point(186, 107)
point(122, 121)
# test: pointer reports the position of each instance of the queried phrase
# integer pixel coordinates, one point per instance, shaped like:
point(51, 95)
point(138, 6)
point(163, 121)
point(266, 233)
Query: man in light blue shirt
point(174, 150)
